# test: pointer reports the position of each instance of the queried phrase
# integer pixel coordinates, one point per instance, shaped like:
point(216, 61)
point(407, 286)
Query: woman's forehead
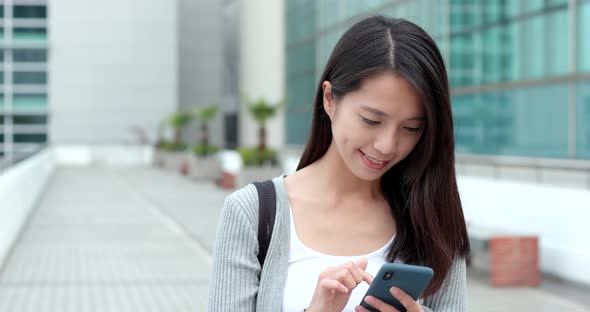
point(388, 94)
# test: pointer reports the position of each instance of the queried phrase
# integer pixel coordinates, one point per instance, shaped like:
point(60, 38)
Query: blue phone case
point(412, 279)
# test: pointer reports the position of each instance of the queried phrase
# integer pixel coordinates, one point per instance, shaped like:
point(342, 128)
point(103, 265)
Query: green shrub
point(172, 146)
point(202, 150)
point(254, 157)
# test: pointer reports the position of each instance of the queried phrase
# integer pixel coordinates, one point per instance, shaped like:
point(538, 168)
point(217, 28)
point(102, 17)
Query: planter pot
point(176, 161)
point(204, 168)
point(158, 159)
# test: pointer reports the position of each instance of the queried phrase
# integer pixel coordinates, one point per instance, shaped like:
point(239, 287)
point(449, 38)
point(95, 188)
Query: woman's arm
point(233, 282)
point(452, 296)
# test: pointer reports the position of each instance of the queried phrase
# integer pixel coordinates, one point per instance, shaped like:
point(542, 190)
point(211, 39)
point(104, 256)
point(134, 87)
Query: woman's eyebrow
point(373, 110)
point(381, 113)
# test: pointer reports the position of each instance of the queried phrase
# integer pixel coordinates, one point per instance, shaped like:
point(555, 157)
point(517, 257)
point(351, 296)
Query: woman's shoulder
point(245, 196)
point(243, 201)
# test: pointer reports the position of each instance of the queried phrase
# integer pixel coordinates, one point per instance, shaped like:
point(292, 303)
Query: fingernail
point(369, 299)
point(395, 290)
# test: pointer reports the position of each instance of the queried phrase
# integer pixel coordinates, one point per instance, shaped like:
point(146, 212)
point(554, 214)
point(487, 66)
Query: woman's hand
point(335, 285)
point(408, 302)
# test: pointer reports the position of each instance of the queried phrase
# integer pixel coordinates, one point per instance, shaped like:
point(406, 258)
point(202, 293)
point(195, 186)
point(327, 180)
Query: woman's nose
point(386, 143)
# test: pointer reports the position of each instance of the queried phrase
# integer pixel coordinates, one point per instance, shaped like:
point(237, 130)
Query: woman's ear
point(328, 99)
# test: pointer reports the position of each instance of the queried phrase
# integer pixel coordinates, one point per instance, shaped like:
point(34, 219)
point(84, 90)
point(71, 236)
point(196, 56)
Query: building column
point(262, 67)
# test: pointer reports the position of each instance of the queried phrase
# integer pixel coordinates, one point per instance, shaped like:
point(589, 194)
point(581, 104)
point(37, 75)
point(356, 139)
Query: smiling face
point(376, 126)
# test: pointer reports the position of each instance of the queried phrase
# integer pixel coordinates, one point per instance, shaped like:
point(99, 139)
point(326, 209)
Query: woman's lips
point(371, 164)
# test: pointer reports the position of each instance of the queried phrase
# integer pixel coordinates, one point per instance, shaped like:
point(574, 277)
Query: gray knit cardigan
point(237, 282)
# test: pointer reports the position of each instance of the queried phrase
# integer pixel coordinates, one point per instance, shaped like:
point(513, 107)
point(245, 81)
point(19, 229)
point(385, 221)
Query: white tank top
point(305, 266)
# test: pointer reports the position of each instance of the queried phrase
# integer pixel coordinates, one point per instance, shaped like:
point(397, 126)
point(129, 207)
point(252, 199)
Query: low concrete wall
point(107, 155)
point(20, 187)
point(22, 184)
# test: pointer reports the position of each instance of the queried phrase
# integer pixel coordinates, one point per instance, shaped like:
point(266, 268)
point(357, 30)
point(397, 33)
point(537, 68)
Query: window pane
point(301, 59)
point(526, 122)
point(515, 44)
point(513, 8)
point(30, 55)
point(462, 60)
point(533, 5)
point(29, 77)
point(29, 119)
point(535, 47)
point(296, 21)
point(493, 11)
point(355, 7)
point(301, 91)
point(30, 138)
point(484, 123)
point(465, 15)
point(541, 122)
point(584, 37)
point(431, 20)
point(554, 3)
point(30, 100)
point(495, 55)
point(30, 11)
point(29, 33)
point(326, 44)
point(558, 49)
point(298, 126)
point(464, 123)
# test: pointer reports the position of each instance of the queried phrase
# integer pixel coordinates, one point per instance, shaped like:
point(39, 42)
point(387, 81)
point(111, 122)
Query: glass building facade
point(23, 77)
point(519, 70)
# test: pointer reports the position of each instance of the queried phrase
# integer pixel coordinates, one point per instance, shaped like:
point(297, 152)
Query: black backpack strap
point(266, 216)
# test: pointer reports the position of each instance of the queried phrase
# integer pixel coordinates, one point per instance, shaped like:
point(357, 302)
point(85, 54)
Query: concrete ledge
point(543, 171)
point(20, 187)
point(107, 154)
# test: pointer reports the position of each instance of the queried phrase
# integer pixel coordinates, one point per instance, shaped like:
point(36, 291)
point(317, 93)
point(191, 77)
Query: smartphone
point(412, 279)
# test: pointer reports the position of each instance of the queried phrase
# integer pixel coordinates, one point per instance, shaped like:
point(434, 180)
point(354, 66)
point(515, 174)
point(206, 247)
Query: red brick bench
point(511, 259)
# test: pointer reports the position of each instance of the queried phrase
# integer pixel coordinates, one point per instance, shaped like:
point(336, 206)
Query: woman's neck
point(335, 180)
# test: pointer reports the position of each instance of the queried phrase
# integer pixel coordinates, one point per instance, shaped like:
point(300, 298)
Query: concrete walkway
point(140, 239)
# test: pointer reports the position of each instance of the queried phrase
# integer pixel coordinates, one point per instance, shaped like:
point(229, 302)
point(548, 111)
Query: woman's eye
point(414, 130)
point(370, 122)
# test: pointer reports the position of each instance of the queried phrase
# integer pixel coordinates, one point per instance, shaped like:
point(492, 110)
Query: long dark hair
point(421, 189)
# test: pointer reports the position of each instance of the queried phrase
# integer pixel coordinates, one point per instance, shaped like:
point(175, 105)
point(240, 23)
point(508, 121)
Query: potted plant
point(159, 152)
point(203, 165)
point(174, 156)
point(260, 162)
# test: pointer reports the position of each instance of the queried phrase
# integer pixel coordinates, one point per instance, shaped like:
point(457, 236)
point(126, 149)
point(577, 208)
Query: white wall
point(20, 187)
point(262, 71)
point(558, 215)
point(201, 62)
point(112, 65)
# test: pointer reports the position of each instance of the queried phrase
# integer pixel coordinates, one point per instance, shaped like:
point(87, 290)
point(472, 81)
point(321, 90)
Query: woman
point(376, 183)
